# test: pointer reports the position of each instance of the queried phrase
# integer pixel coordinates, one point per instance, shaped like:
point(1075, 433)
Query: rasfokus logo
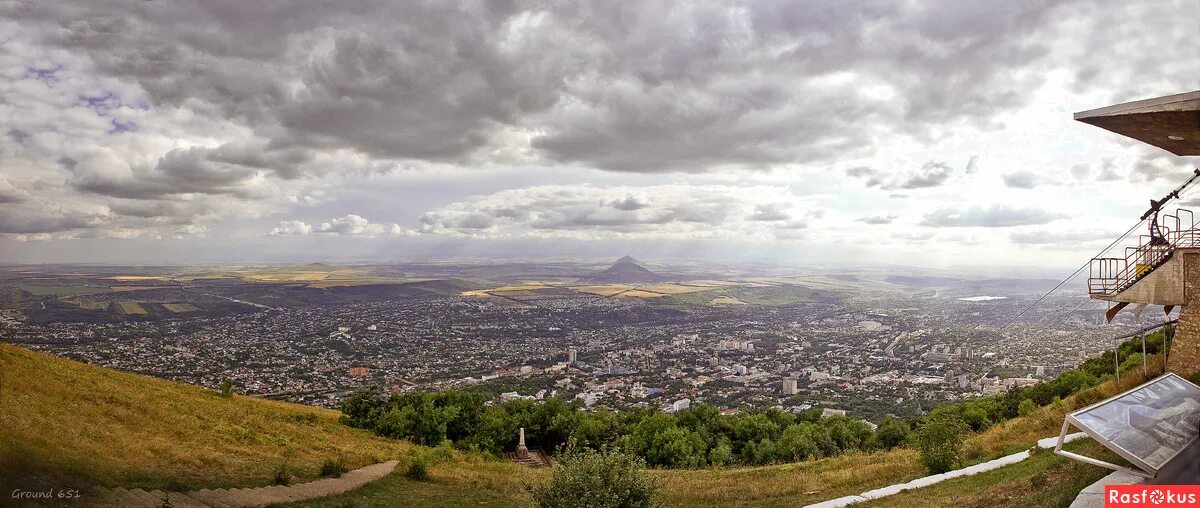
point(1119, 496)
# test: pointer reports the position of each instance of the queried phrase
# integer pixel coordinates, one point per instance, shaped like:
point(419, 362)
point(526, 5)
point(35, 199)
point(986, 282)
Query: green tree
point(663, 443)
point(892, 433)
point(721, 454)
point(363, 407)
point(802, 441)
point(848, 433)
point(1027, 407)
point(597, 479)
point(940, 441)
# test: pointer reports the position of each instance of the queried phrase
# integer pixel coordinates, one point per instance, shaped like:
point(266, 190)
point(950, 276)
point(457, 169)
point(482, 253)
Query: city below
point(867, 343)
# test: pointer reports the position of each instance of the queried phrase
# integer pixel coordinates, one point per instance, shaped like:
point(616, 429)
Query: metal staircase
point(1109, 276)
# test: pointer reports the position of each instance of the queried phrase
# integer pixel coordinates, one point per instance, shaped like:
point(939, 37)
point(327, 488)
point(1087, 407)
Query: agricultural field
point(63, 290)
point(603, 289)
point(130, 308)
point(180, 307)
point(641, 293)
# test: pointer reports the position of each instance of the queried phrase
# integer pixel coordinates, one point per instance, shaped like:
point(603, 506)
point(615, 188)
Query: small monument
point(522, 451)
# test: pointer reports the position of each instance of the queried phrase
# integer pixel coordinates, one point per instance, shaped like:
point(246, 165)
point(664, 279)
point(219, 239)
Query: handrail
point(1109, 276)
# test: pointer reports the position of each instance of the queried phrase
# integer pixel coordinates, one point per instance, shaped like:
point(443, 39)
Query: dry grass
point(504, 289)
point(602, 289)
point(790, 484)
point(638, 293)
point(674, 289)
point(1044, 480)
point(1020, 433)
point(67, 419)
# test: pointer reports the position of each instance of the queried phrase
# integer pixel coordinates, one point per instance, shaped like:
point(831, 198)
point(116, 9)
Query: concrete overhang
point(1171, 123)
point(1166, 284)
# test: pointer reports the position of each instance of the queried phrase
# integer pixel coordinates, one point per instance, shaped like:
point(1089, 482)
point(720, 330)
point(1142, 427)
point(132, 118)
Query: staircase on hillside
point(1110, 276)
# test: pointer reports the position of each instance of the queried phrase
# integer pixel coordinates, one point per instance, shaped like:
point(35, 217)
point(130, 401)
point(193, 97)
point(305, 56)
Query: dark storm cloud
point(645, 87)
point(995, 216)
point(145, 209)
point(197, 170)
point(36, 222)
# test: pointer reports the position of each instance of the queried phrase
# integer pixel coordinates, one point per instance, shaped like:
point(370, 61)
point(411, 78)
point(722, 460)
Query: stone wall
point(1185, 350)
point(1184, 357)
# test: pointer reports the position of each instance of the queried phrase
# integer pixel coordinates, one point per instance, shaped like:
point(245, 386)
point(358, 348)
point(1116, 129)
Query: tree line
point(701, 435)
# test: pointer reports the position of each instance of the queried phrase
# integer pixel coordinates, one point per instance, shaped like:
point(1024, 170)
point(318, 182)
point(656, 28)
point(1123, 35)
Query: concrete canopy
point(1171, 123)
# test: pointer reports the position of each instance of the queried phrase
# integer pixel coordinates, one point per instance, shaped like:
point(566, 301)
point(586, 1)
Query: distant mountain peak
point(626, 269)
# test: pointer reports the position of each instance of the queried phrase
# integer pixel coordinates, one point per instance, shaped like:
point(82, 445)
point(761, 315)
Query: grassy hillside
point(67, 423)
point(64, 421)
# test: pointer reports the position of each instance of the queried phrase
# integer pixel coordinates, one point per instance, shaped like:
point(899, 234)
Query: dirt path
point(258, 496)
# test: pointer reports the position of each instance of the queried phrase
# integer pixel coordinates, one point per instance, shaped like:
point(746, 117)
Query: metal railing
point(1109, 276)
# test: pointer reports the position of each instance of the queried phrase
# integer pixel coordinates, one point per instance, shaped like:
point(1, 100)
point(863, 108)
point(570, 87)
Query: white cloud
point(348, 225)
point(586, 211)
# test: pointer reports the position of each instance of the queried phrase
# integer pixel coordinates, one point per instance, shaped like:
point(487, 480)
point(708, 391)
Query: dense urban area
point(862, 344)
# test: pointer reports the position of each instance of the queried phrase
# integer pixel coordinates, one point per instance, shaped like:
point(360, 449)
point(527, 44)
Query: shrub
point(597, 479)
point(333, 467)
point(892, 433)
point(721, 454)
point(283, 474)
point(417, 470)
point(940, 441)
point(227, 388)
point(1027, 408)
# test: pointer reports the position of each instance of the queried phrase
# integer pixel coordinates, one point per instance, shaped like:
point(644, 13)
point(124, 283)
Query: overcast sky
point(921, 133)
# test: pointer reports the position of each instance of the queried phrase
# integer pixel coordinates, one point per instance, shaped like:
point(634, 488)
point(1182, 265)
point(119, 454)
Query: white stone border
point(926, 481)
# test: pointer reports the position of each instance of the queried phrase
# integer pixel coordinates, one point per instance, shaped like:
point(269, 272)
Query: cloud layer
point(765, 120)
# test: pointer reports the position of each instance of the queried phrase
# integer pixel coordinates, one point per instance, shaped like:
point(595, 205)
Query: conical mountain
point(626, 269)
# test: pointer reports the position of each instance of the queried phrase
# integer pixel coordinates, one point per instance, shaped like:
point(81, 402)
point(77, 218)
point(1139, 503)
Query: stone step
point(209, 497)
point(247, 497)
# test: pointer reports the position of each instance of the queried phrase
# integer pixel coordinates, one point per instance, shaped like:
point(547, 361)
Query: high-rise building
point(789, 386)
point(571, 355)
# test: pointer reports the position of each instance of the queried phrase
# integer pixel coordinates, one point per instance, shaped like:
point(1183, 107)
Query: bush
point(940, 441)
point(597, 479)
point(227, 388)
point(283, 474)
point(333, 467)
point(892, 433)
point(417, 470)
point(1027, 408)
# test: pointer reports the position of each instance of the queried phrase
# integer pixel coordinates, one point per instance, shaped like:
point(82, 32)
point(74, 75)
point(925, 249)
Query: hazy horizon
point(822, 134)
